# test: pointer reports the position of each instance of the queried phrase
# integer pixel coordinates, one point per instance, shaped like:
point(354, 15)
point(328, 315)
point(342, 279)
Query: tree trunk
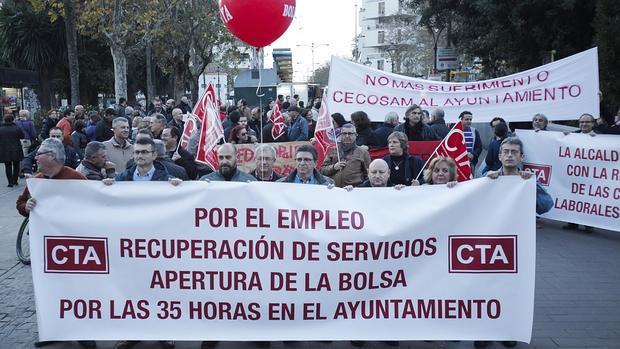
point(120, 71)
point(179, 80)
point(72, 51)
point(45, 86)
point(193, 86)
point(150, 83)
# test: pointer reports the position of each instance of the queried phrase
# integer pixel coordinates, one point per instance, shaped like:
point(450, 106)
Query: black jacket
point(160, 175)
point(424, 133)
point(103, 131)
point(29, 163)
point(412, 166)
point(10, 144)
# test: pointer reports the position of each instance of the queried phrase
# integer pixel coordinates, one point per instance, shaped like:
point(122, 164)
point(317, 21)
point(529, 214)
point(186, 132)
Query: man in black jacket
point(171, 135)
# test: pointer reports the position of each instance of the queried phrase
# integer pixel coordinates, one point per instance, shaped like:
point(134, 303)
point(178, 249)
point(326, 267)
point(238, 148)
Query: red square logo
point(542, 172)
point(70, 254)
point(482, 254)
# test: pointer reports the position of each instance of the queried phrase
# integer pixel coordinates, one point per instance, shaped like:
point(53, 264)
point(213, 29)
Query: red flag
point(200, 109)
point(324, 133)
point(278, 122)
point(211, 131)
point(189, 129)
point(453, 146)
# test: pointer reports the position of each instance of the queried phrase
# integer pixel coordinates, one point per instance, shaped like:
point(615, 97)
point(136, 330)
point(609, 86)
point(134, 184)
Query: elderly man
point(171, 135)
point(158, 123)
point(228, 171)
point(184, 105)
point(173, 169)
point(378, 177)
point(346, 164)
point(265, 156)
point(177, 119)
point(118, 148)
point(50, 160)
point(305, 171)
point(298, 130)
point(95, 165)
point(438, 124)
point(71, 159)
point(586, 124)
point(539, 122)
point(80, 112)
point(382, 132)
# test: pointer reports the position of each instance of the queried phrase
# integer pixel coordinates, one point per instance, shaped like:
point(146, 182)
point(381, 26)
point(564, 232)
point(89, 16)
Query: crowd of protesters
point(123, 143)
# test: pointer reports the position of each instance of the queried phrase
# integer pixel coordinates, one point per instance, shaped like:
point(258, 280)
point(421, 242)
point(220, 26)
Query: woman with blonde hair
point(441, 170)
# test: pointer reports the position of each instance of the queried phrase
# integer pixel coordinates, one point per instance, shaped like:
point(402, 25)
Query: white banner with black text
point(580, 172)
point(562, 90)
point(278, 261)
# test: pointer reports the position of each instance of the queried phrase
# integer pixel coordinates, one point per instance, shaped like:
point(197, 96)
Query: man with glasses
point(70, 158)
point(118, 148)
point(586, 125)
point(144, 168)
point(50, 157)
point(511, 155)
point(347, 164)
point(305, 170)
point(265, 157)
point(227, 171)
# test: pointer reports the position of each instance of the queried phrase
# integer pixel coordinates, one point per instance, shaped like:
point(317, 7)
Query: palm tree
point(29, 40)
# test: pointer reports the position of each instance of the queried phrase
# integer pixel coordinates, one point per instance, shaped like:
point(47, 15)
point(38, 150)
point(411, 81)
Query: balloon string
point(260, 75)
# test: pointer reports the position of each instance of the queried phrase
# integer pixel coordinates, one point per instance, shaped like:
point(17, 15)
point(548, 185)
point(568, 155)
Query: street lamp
point(312, 47)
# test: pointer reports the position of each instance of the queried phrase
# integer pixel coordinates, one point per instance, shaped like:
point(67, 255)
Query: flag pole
point(435, 151)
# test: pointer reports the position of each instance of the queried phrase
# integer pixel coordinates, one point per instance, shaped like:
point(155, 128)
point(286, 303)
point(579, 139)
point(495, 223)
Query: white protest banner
point(279, 261)
point(580, 172)
point(561, 90)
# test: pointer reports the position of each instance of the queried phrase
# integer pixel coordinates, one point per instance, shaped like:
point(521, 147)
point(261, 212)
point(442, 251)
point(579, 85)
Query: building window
point(381, 37)
point(381, 9)
point(380, 64)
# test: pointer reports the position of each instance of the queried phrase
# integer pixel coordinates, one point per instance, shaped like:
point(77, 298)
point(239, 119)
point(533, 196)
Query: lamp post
point(312, 47)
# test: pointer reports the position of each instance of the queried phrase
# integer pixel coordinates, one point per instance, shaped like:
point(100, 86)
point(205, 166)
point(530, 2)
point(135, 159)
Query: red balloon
point(257, 22)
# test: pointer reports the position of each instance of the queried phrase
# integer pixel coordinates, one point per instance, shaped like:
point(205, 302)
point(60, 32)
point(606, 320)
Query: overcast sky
point(322, 22)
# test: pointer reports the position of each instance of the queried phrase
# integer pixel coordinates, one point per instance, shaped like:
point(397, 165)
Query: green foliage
point(320, 75)
point(29, 40)
point(607, 24)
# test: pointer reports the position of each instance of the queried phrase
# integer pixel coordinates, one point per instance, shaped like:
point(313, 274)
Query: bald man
point(378, 176)
point(228, 171)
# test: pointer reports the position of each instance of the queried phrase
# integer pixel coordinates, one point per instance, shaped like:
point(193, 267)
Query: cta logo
point(482, 254)
point(69, 254)
point(542, 172)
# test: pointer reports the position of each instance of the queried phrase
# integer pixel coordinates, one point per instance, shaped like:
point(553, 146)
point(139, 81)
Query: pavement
point(577, 293)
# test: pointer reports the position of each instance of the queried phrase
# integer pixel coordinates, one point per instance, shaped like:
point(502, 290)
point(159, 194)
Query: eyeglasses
point(300, 160)
point(416, 112)
point(43, 153)
point(348, 133)
point(243, 134)
point(142, 152)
